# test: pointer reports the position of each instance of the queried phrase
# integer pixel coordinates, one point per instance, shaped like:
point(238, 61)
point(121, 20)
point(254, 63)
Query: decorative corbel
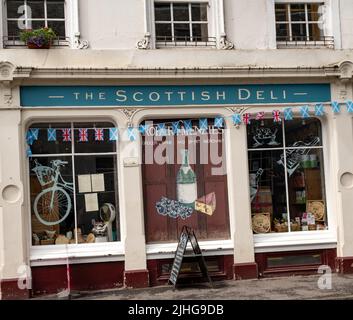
point(225, 44)
point(6, 76)
point(346, 70)
point(79, 43)
point(129, 114)
point(145, 42)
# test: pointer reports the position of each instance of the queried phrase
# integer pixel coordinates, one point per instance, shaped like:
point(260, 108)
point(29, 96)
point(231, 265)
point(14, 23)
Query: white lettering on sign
point(154, 96)
point(134, 97)
point(89, 95)
point(243, 94)
point(259, 95)
point(179, 97)
point(205, 96)
point(181, 94)
point(168, 93)
point(221, 95)
point(121, 94)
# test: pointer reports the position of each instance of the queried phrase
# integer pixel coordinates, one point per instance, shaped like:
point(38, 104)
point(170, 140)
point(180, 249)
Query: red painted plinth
point(244, 271)
point(136, 279)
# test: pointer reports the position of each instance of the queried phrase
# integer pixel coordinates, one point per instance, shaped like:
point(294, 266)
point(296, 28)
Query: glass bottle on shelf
point(186, 182)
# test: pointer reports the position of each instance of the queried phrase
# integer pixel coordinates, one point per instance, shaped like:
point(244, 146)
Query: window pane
point(36, 9)
point(55, 9)
point(297, 12)
point(12, 28)
point(264, 134)
point(162, 12)
point(316, 31)
point(281, 261)
point(199, 12)
point(51, 138)
point(92, 141)
point(306, 189)
point(58, 27)
point(96, 186)
point(282, 31)
point(182, 32)
point(52, 209)
point(13, 7)
point(281, 12)
point(191, 189)
point(305, 133)
point(299, 32)
point(200, 32)
point(181, 12)
point(313, 11)
point(164, 31)
point(36, 24)
point(267, 192)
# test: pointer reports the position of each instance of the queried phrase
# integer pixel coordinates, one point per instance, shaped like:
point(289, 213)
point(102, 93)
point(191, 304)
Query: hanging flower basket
point(39, 38)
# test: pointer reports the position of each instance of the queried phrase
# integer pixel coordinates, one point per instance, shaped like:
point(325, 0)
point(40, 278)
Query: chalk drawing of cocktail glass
point(53, 204)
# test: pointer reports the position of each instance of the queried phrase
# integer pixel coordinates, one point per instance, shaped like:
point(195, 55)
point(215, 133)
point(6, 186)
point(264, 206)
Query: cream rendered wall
point(250, 24)
point(12, 230)
point(346, 16)
point(112, 24)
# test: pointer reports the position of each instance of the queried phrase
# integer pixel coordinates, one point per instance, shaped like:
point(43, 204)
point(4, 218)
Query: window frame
point(264, 241)
point(87, 252)
point(71, 27)
point(215, 19)
point(290, 23)
point(189, 22)
point(305, 240)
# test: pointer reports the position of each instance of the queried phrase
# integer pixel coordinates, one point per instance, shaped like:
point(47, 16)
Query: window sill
point(81, 253)
point(301, 240)
point(209, 248)
point(304, 44)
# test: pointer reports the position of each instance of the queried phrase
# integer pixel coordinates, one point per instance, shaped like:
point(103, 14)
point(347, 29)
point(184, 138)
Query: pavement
point(282, 288)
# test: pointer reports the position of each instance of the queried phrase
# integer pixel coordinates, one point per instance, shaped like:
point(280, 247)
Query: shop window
point(185, 183)
point(34, 14)
point(73, 183)
point(287, 188)
point(301, 24)
point(182, 24)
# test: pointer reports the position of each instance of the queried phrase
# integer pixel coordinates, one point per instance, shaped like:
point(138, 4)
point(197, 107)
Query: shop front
point(111, 174)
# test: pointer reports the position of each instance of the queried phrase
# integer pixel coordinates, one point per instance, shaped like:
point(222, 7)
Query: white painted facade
point(113, 30)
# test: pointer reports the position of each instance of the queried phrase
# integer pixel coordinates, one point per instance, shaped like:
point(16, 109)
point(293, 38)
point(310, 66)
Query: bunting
point(336, 108)
point(288, 114)
point(319, 110)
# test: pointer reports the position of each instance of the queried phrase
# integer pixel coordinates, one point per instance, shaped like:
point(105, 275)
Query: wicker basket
point(281, 227)
point(295, 226)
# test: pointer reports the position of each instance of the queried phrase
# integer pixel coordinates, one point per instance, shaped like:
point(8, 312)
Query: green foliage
point(39, 37)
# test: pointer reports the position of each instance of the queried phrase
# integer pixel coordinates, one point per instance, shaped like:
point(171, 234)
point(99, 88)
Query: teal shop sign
point(82, 96)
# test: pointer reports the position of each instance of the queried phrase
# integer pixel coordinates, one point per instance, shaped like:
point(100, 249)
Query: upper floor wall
point(216, 24)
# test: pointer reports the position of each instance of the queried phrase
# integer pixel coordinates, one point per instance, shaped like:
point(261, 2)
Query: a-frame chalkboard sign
point(187, 234)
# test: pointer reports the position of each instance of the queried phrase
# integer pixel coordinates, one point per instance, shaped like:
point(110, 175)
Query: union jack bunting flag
point(260, 115)
point(246, 118)
point(66, 134)
point(276, 116)
point(83, 135)
point(98, 134)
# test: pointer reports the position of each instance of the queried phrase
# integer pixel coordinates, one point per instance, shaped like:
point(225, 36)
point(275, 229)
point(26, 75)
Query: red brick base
point(344, 265)
point(243, 271)
point(136, 279)
point(10, 291)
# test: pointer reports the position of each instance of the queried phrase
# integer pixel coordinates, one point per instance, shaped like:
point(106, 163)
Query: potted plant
point(39, 38)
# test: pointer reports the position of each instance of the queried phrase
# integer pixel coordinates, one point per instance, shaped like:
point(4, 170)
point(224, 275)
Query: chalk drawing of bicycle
point(52, 205)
